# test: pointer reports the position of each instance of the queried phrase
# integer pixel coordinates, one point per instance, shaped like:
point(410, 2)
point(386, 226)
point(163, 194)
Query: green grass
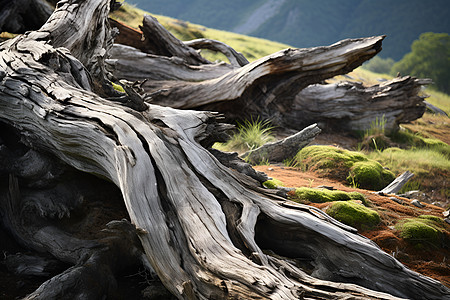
point(416, 141)
point(249, 135)
point(415, 160)
point(438, 99)
point(431, 168)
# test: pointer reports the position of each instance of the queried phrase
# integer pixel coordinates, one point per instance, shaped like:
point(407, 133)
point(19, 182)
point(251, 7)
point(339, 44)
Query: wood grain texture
point(177, 194)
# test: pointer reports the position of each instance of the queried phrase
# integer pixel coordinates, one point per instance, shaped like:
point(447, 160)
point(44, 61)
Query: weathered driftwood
point(397, 184)
point(165, 44)
point(283, 149)
point(395, 101)
point(346, 106)
point(206, 230)
point(155, 39)
point(271, 82)
point(235, 58)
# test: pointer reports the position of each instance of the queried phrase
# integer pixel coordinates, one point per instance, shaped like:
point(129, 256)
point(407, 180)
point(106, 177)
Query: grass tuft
point(250, 135)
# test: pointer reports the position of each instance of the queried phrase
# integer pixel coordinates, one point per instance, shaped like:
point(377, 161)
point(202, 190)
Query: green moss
point(273, 183)
point(424, 229)
point(370, 175)
point(357, 196)
point(415, 140)
point(433, 221)
point(354, 214)
point(118, 87)
point(343, 164)
point(319, 157)
point(324, 195)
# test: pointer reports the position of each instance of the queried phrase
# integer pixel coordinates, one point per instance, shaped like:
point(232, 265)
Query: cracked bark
point(207, 231)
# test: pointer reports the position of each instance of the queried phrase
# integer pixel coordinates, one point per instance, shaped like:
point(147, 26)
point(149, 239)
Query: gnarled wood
point(275, 93)
point(235, 58)
point(271, 82)
point(162, 42)
point(206, 229)
point(352, 106)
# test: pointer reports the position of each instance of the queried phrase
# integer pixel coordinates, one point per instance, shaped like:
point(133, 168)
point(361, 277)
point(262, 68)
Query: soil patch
point(430, 261)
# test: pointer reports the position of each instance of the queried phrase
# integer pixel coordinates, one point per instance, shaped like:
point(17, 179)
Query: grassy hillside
point(252, 48)
point(307, 23)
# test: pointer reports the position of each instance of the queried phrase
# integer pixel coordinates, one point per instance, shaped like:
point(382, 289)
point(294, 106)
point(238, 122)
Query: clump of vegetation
point(428, 165)
point(273, 183)
point(370, 175)
point(353, 166)
point(354, 214)
point(374, 138)
point(425, 229)
point(323, 195)
point(249, 135)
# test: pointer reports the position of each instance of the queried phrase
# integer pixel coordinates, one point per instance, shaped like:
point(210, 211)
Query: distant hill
point(308, 23)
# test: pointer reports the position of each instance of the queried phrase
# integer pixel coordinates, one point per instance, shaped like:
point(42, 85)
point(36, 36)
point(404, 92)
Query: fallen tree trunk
point(267, 89)
point(206, 230)
point(352, 106)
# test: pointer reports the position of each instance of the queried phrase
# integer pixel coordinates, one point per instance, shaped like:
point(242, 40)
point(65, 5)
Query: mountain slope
point(307, 23)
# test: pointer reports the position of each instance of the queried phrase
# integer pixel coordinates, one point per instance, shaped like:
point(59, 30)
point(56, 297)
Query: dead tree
point(207, 231)
point(272, 88)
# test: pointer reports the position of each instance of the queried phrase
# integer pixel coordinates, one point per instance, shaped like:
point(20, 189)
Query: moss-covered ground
point(423, 231)
point(354, 214)
point(342, 164)
point(322, 195)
